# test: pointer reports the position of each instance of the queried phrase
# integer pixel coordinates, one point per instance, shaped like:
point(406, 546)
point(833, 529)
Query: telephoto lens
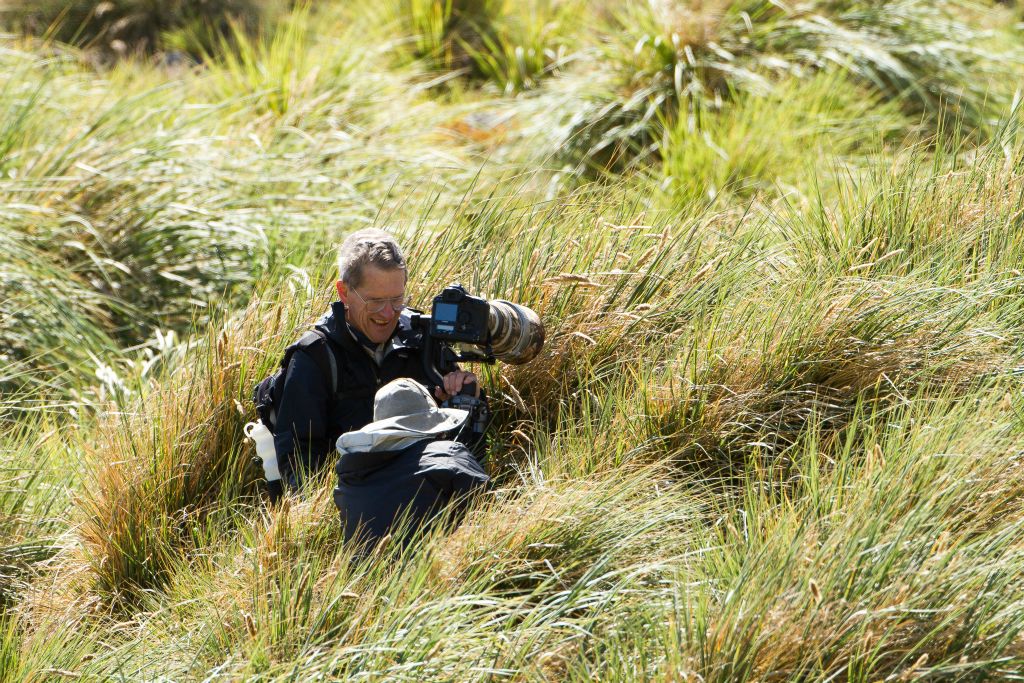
point(517, 333)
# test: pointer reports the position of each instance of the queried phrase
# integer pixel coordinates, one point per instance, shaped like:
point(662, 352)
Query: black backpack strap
point(334, 367)
point(268, 392)
point(316, 345)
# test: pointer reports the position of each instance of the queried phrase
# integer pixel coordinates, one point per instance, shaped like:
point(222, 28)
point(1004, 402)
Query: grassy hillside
point(777, 429)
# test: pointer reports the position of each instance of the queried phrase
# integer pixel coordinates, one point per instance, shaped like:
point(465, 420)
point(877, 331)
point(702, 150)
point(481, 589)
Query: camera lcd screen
point(446, 313)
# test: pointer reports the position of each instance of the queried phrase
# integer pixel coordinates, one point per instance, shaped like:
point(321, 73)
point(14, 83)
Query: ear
point(342, 291)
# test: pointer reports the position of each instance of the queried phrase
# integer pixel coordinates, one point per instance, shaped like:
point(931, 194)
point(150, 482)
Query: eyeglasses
point(378, 305)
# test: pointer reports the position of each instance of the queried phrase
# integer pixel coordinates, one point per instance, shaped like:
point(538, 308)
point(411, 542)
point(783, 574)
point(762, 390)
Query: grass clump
point(33, 481)
point(954, 227)
point(753, 149)
point(148, 207)
point(441, 28)
point(526, 42)
point(140, 513)
point(846, 590)
point(452, 609)
point(681, 62)
point(511, 45)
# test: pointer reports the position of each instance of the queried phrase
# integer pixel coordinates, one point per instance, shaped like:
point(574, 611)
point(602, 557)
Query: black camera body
point(485, 332)
point(458, 317)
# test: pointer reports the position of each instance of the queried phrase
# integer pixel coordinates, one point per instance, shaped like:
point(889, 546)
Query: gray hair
point(369, 246)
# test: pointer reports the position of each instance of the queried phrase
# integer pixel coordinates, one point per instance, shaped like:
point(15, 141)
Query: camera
point(485, 331)
point(459, 317)
point(499, 330)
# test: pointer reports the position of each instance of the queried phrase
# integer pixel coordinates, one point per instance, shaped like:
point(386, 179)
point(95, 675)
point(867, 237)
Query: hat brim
point(437, 421)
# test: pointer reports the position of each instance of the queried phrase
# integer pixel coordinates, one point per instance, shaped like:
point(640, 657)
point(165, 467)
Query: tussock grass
point(677, 63)
point(753, 148)
point(132, 210)
point(276, 72)
point(452, 609)
point(735, 392)
point(717, 346)
point(953, 227)
point(774, 434)
point(33, 483)
point(524, 43)
point(183, 456)
point(509, 44)
point(846, 589)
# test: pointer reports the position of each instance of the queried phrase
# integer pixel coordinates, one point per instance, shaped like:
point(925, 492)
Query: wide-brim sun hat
point(406, 405)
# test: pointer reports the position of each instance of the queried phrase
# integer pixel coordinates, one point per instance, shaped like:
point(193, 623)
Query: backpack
point(267, 393)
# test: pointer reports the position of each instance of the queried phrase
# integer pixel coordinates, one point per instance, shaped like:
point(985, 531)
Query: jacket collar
point(334, 325)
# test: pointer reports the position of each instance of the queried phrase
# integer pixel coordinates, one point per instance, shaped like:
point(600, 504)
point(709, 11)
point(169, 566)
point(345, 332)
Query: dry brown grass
point(155, 471)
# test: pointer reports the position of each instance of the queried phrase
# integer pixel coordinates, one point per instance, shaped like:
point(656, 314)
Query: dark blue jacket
point(377, 488)
point(310, 419)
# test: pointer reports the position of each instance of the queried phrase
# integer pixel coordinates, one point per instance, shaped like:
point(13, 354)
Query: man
point(402, 469)
point(368, 333)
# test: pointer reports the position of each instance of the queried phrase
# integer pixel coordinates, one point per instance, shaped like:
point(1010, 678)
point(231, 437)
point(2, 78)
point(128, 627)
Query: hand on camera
point(453, 383)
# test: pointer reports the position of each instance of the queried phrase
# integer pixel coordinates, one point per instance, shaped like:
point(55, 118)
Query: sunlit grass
point(145, 213)
point(667, 65)
point(787, 142)
point(774, 434)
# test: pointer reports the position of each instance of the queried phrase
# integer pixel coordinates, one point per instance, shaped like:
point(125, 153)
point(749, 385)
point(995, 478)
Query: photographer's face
point(377, 284)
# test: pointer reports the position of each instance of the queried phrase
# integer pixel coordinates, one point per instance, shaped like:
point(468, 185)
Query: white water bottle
point(267, 452)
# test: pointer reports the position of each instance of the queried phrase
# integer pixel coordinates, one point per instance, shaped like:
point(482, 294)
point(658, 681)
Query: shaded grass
point(511, 45)
point(128, 27)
